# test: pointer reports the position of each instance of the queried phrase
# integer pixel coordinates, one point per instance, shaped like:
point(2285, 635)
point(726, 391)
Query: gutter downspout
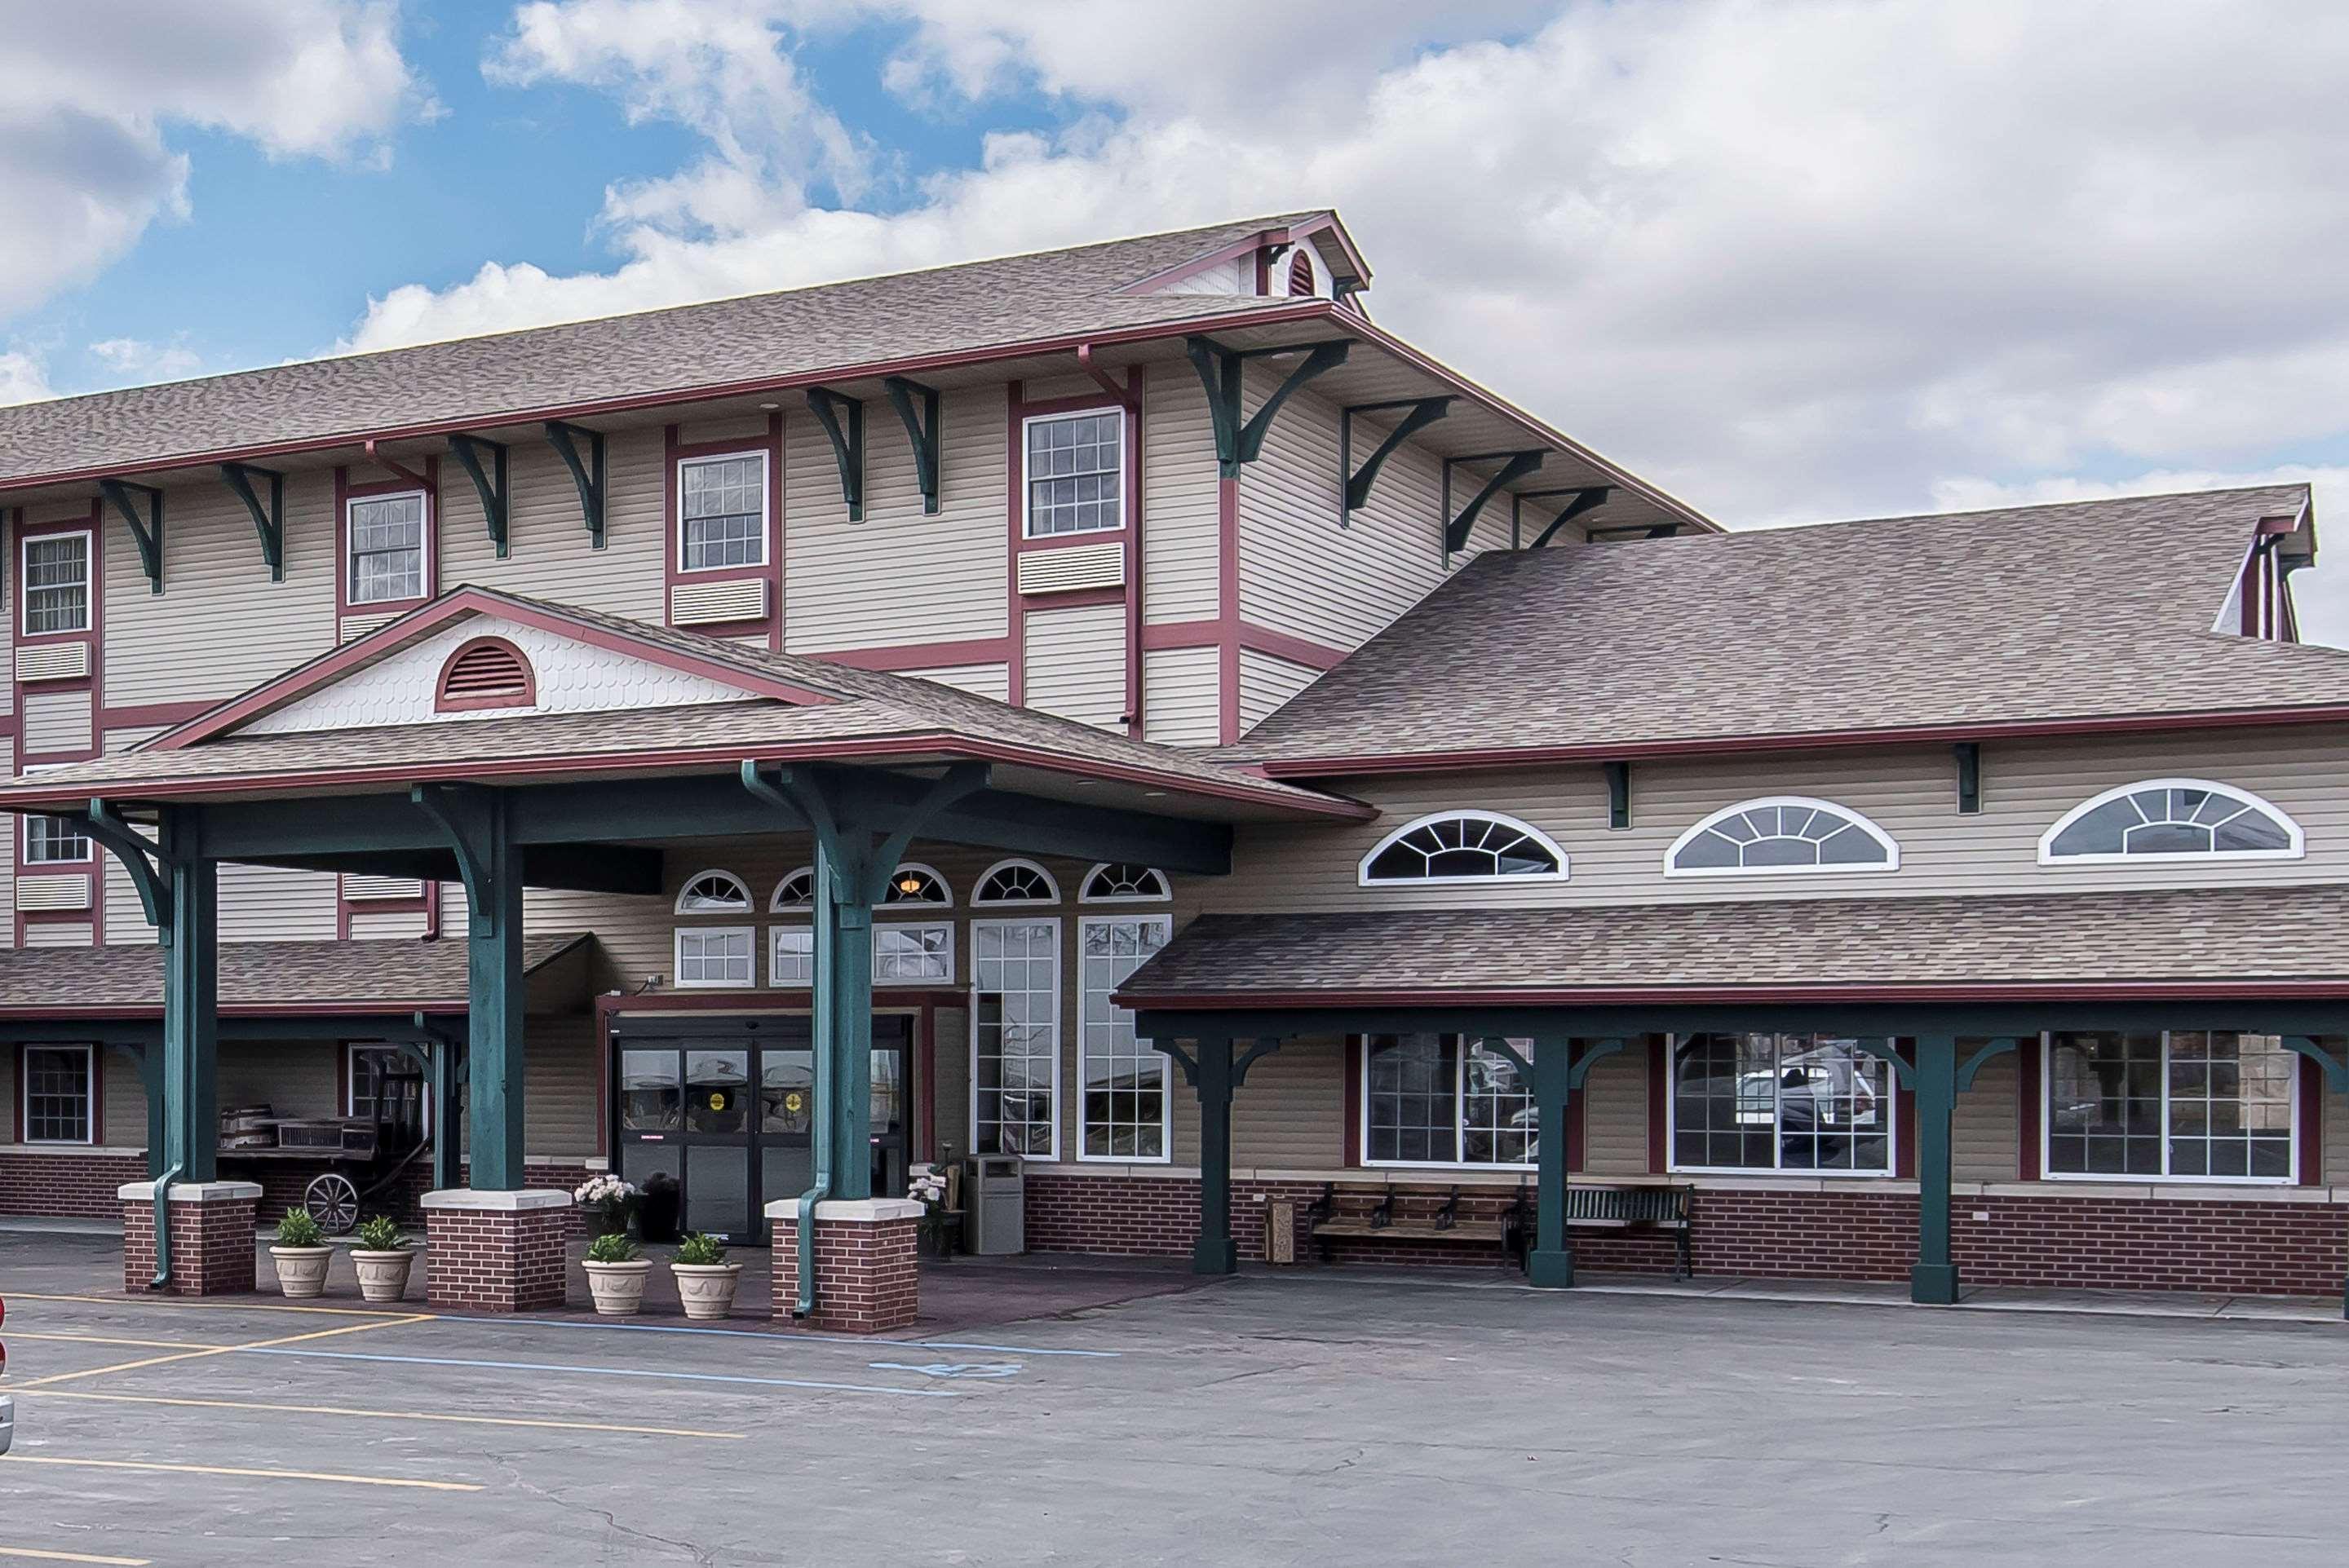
point(163, 1227)
point(820, 1027)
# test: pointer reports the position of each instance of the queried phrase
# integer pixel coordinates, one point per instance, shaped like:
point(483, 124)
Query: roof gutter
point(1710, 995)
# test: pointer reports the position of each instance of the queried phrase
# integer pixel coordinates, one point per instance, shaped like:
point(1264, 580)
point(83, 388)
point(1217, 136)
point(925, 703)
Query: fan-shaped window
point(2171, 819)
point(796, 891)
point(1016, 881)
point(1300, 273)
point(713, 892)
point(1780, 835)
point(487, 671)
point(1461, 846)
point(1122, 882)
point(918, 887)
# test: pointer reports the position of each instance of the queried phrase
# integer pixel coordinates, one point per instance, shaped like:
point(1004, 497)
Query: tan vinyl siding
point(378, 925)
point(901, 576)
point(269, 903)
point(562, 1085)
point(56, 721)
point(951, 1080)
point(58, 933)
point(1075, 663)
point(2337, 1137)
point(1909, 792)
point(1265, 683)
point(1179, 487)
point(1290, 1115)
point(1181, 700)
point(292, 1077)
point(126, 917)
point(550, 553)
point(1985, 1129)
point(123, 1115)
point(220, 624)
point(990, 681)
point(1615, 1113)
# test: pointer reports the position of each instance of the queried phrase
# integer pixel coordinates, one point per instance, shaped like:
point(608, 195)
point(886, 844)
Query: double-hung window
point(1124, 1078)
point(1442, 1099)
point(56, 583)
point(387, 549)
point(1076, 473)
point(721, 510)
point(2203, 1104)
point(55, 842)
point(60, 1094)
point(1779, 1102)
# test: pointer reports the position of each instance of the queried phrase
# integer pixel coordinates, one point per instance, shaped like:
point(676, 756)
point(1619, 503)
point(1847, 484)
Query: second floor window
point(1076, 467)
point(53, 840)
point(721, 512)
point(57, 583)
point(386, 548)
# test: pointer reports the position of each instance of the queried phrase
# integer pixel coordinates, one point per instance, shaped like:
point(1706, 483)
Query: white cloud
point(135, 360)
point(23, 378)
point(88, 92)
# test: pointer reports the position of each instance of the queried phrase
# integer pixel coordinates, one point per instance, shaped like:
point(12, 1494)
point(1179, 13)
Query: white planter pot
point(383, 1276)
point(707, 1289)
point(618, 1288)
point(302, 1270)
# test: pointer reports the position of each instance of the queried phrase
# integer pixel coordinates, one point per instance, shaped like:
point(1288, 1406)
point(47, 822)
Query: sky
point(1794, 260)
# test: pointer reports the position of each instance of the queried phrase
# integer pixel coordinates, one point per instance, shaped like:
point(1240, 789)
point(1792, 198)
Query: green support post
point(189, 1076)
point(1214, 1252)
point(1551, 1262)
point(1934, 1281)
point(478, 826)
point(848, 1051)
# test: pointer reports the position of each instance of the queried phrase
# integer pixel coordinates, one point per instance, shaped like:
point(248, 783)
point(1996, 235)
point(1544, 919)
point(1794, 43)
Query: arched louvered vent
point(487, 671)
point(1300, 273)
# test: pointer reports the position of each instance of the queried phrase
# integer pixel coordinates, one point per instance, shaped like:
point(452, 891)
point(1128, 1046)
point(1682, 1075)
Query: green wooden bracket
point(1517, 466)
point(960, 780)
point(140, 857)
point(490, 483)
point(1356, 482)
point(2335, 1070)
point(1586, 498)
point(268, 521)
point(1618, 794)
point(1599, 1051)
point(1883, 1049)
point(1265, 1046)
point(1980, 1059)
point(843, 419)
point(1319, 360)
point(460, 813)
point(1220, 372)
point(1183, 1058)
point(1968, 776)
point(587, 472)
point(922, 429)
point(147, 532)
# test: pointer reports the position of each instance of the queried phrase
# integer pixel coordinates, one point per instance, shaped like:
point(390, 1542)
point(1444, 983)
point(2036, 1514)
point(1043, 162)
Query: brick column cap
point(495, 1202)
point(191, 1192)
point(854, 1211)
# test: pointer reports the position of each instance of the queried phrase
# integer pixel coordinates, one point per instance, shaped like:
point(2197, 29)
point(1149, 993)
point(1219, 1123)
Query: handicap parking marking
point(641, 1372)
point(951, 1368)
point(238, 1471)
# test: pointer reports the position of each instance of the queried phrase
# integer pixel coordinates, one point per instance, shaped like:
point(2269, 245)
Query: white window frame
point(1858, 818)
point(677, 969)
point(2296, 849)
point(978, 888)
point(1362, 877)
point(766, 515)
point(1165, 1155)
point(24, 542)
point(1892, 1109)
point(425, 564)
point(775, 980)
point(2045, 1089)
point(749, 903)
point(1086, 895)
point(775, 904)
point(88, 846)
point(953, 967)
point(1059, 986)
point(351, 1078)
point(945, 889)
point(1459, 1099)
point(1124, 467)
point(88, 1138)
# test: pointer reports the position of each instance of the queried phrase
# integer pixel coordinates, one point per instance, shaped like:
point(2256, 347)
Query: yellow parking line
point(103, 1339)
point(391, 1415)
point(184, 1305)
point(224, 1350)
point(73, 1557)
point(240, 1470)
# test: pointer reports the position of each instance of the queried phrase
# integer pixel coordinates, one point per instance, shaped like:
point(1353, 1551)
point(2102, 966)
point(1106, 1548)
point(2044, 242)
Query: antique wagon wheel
point(333, 1203)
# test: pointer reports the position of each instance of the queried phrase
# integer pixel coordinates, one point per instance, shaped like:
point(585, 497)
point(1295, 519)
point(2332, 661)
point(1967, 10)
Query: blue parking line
point(776, 1339)
point(608, 1372)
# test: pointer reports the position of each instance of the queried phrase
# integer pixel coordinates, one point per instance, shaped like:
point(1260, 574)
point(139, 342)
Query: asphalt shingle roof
point(2044, 613)
point(259, 974)
point(2148, 937)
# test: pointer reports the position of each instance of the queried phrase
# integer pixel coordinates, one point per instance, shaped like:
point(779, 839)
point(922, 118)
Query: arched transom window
point(1016, 882)
point(796, 891)
point(1778, 835)
point(713, 892)
point(1463, 846)
point(917, 886)
point(1122, 882)
point(2171, 819)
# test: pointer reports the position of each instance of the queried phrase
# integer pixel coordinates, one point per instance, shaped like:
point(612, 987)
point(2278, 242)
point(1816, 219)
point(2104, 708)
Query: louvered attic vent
point(488, 673)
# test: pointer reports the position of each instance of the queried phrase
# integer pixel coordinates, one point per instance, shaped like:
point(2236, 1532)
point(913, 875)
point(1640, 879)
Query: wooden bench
point(1330, 1224)
point(1634, 1209)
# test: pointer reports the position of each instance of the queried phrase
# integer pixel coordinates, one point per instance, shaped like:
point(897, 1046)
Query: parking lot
point(1304, 1418)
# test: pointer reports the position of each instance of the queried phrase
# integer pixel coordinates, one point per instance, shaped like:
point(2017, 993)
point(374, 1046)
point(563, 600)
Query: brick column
point(867, 1278)
point(496, 1251)
point(212, 1245)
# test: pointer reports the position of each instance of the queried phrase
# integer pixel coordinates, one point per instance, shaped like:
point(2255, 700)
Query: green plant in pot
point(383, 1260)
point(705, 1280)
point(301, 1254)
point(616, 1268)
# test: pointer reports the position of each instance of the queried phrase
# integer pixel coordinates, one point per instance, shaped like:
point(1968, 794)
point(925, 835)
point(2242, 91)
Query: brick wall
point(81, 1186)
point(494, 1260)
point(212, 1247)
point(2052, 1240)
point(66, 1186)
point(867, 1278)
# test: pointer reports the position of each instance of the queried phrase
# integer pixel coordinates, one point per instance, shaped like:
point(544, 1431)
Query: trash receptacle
point(995, 1201)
